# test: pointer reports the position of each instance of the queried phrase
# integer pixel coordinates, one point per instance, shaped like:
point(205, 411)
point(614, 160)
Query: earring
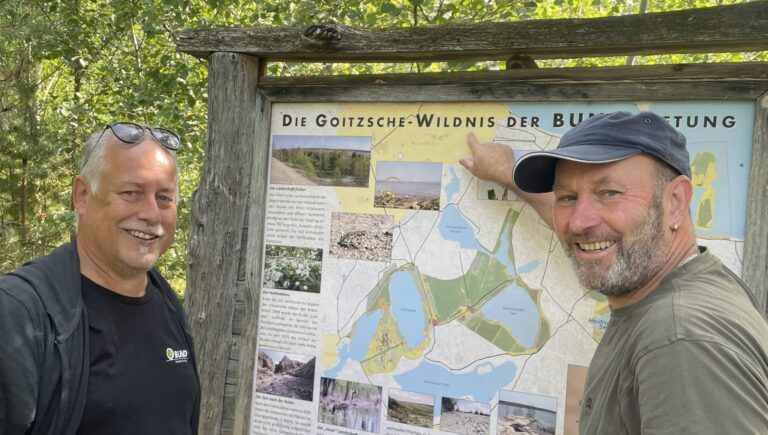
point(674, 227)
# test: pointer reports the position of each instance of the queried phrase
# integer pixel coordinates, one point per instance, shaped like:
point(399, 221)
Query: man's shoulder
point(50, 281)
point(57, 262)
point(707, 289)
point(702, 301)
point(708, 303)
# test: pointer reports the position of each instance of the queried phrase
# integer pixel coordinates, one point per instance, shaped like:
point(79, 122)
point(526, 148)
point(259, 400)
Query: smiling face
point(129, 221)
point(610, 220)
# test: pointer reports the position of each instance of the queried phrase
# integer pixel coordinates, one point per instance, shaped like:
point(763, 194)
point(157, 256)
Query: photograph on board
point(409, 407)
point(525, 412)
point(292, 268)
point(361, 236)
point(343, 161)
point(409, 185)
point(465, 417)
point(350, 404)
point(285, 374)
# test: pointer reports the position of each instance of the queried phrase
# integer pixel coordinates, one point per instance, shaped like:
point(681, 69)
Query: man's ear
point(80, 193)
point(680, 192)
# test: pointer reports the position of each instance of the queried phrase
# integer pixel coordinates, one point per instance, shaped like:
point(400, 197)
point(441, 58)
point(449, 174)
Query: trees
point(67, 67)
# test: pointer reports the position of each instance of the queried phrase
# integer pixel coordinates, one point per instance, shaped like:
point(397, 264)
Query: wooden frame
point(225, 252)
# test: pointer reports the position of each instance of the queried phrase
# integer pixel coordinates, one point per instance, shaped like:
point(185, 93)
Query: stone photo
point(361, 236)
point(465, 417)
point(285, 374)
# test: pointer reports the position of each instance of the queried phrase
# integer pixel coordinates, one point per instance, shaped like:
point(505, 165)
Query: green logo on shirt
point(177, 356)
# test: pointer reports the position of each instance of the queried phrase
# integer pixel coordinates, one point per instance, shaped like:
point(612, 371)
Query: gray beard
point(639, 258)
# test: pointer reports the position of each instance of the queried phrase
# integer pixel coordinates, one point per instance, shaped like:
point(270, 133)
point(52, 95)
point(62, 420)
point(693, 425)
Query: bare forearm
point(541, 202)
point(495, 162)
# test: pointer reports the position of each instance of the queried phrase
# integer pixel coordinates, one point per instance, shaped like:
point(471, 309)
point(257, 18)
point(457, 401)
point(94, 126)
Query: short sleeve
point(700, 387)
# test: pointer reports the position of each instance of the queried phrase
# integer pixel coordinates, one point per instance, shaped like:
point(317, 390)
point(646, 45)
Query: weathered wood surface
point(658, 82)
point(755, 271)
point(520, 91)
point(741, 27)
point(240, 384)
point(218, 215)
point(730, 72)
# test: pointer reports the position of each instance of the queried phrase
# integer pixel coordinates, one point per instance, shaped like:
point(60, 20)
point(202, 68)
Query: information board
point(402, 295)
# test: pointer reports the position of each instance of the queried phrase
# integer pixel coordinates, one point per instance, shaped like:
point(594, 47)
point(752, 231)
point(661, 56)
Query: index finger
point(472, 142)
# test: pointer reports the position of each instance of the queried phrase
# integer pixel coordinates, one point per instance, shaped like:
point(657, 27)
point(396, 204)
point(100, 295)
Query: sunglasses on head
point(130, 132)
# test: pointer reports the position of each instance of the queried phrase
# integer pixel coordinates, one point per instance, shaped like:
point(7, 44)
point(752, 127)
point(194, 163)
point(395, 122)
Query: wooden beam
point(755, 270)
point(516, 92)
point(729, 72)
point(257, 201)
point(732, 28)
point(218, 215)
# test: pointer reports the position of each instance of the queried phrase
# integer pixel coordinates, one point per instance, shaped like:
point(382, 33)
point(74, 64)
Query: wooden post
point(240, 374)
point(218, 212)
point(755, 272)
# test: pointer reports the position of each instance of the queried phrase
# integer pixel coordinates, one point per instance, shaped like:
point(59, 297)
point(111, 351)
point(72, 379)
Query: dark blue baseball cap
point(605, 138)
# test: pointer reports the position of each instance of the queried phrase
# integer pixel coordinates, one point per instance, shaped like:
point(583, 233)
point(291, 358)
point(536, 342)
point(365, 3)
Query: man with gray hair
point(685, 350)
point(92, 338)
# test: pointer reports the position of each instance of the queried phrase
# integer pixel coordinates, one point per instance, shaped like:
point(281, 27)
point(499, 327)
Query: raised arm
point(494, 162)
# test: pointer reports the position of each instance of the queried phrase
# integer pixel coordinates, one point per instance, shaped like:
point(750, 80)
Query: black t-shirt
point(141, 378)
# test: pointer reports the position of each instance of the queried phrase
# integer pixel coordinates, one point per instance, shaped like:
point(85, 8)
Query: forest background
point(68, 67)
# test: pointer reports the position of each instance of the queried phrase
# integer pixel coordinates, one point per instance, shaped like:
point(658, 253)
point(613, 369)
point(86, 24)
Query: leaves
point(67, 67)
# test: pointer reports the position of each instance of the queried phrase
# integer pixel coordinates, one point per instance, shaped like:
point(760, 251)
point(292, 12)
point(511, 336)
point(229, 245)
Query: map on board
point(448, 290)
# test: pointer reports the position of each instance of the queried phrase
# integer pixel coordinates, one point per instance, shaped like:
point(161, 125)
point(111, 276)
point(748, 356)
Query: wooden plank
point(741, 71)
point(243, 259)
point(228, 423)
point(755, 271)
point(658, 82)
point(254, 251)
point(218, 214)
point(521, 91)
point(238, 316)
point(740, 27)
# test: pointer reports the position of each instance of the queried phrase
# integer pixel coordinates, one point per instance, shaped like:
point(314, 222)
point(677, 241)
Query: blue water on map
point(410, 188)
point(365, 328)
point(528, 267)
point(407, 308)
point(504, 254)
point(452, 188)
point(514, 307)
point(600, 322)
point(453, 226)
point(481, 383)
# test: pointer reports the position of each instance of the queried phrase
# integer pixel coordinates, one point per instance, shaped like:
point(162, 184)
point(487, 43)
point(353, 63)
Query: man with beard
point(92, 338)
point(685, 351)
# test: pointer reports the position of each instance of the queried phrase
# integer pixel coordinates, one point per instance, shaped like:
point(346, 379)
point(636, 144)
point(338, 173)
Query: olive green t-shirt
point(689, 358)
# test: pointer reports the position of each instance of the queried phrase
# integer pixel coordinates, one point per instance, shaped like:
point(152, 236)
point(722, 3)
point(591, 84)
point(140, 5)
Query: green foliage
point(322, 164)
point(67, 67)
